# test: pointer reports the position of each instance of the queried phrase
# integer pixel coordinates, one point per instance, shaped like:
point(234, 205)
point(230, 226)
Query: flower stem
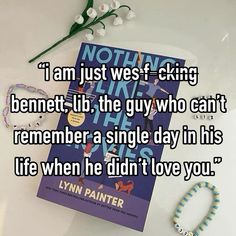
point(91, 30)
point(103, 25)
point(48, 49)
point(114, 14)
point(94, 22)
point(125, 7)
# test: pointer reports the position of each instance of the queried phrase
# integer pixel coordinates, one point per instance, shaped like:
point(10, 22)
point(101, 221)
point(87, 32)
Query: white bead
point(180, 230)
point(210, 117)
point(30, 125)
point(19, 127)
point(42, 117)
point(190, 234)
point(6, 110)
point(16, 127)
point(177, 226)
point(22, 127)
point(37, 123)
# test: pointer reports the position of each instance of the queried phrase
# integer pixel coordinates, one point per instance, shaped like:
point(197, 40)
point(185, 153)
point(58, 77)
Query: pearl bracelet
point(206, 219)
point(6, 110)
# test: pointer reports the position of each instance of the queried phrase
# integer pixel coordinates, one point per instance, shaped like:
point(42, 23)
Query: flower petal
point(79, 19)
point(115, 4)
point(118, 21)
point(91, 12)
point(101, 32)
point(130, 15)
point(104, 8)
point(89, 37)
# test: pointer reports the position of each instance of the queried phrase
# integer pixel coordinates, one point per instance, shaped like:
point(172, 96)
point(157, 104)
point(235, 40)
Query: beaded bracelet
point(6, 110)
point(206, 219)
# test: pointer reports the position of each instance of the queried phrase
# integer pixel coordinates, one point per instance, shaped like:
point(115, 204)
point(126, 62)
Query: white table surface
point(206, 29)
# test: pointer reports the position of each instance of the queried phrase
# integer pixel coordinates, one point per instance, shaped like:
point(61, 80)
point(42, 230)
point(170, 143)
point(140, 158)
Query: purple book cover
point(122, 200)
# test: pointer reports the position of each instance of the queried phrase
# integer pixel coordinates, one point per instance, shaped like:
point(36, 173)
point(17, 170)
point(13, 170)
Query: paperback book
point(121, 199)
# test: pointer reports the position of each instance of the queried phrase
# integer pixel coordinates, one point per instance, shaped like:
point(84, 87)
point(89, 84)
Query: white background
point(205, 29)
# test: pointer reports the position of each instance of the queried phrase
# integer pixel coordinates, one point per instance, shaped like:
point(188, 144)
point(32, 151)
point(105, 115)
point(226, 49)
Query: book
point(120, 199)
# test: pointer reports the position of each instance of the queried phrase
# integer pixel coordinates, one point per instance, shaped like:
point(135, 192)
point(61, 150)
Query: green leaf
point(76, 26)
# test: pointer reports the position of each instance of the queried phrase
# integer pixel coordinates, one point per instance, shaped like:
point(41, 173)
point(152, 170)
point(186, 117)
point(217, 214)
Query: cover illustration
point(122, 200)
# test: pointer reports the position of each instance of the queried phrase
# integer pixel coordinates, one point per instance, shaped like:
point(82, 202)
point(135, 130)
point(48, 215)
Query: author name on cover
point(91, 193)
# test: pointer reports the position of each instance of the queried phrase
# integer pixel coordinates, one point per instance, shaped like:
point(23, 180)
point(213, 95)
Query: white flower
point(130, 15)
point(115, 4)
point(91, 12)
point(101, 32)
point(79, 19)
point(89, 37)
point(118, 21)
point(104, 8)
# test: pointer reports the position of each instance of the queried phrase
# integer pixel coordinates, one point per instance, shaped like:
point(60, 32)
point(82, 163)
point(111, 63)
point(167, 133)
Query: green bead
point(185, 199)
point(212, 210)
point(190, 194)
point(205, 223)
point(200, 227)
point(209, 218)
